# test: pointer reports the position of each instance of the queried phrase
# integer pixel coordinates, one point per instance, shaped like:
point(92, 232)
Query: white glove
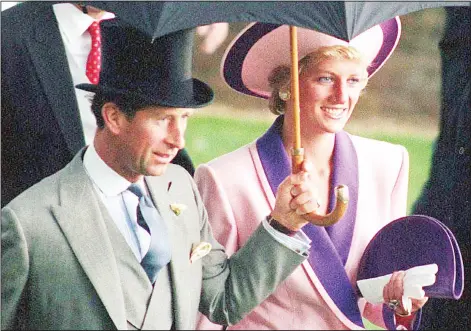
point(414, 279)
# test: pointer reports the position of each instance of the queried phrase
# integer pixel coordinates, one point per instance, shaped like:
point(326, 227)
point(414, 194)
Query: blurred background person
point(214, 35)
point(447, 193)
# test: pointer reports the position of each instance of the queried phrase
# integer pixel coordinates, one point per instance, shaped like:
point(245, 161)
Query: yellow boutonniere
point(177, 208)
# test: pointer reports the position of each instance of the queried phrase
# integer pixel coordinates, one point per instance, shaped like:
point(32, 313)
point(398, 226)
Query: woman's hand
point(393, 292)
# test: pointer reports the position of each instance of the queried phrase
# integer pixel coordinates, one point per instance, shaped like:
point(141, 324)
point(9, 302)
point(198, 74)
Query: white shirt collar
point(72, 21)
point(108, 181)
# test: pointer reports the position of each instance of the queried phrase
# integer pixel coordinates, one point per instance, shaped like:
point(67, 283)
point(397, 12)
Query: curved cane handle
point(341, 194)
point(341, 204)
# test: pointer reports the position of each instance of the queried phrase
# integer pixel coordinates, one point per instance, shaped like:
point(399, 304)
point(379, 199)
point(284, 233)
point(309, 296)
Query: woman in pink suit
point(239, 188)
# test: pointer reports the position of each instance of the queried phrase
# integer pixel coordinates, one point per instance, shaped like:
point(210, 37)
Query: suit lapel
point(54, 74)
point(331, 246)
point(159, 190)
point(81, 218)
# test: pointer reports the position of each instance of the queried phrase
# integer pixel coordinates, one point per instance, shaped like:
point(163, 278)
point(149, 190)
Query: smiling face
point(329, 90)
point(147, 143)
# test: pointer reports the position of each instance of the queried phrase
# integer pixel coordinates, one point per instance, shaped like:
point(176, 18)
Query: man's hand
point(296, 196)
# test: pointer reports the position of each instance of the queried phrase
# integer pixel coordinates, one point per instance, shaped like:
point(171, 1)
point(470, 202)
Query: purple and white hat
point(261, 47)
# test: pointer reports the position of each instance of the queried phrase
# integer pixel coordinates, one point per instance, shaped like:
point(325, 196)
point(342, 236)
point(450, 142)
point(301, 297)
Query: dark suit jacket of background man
point(447, 194)
point(41, 127)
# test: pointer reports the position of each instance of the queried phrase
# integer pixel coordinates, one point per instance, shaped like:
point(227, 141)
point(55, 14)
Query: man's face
point(148, 142)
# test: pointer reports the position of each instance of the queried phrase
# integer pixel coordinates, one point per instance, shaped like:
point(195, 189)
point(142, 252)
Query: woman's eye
point(325, 79)
point(354, 81)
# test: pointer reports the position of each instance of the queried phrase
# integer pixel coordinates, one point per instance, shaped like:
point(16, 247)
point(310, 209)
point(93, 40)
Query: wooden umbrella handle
point(341, 205)
point(342, 197)
point(297, 153)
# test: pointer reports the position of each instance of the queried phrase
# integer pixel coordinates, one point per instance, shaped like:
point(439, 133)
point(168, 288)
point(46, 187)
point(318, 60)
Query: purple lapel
point(345, 172)
point(330, 246)
point(273, 156)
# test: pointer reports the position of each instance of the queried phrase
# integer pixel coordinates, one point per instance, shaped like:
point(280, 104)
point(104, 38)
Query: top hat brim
point(202, 94)
point(261, 47)
point(414, 241)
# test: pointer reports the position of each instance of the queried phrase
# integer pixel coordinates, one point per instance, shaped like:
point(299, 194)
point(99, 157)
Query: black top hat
point(157, 71)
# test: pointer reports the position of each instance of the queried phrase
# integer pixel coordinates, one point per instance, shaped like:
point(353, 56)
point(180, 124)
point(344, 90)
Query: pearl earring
point(284, 95)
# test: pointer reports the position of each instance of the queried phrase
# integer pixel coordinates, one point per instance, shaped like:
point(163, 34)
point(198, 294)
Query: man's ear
point(112, 117)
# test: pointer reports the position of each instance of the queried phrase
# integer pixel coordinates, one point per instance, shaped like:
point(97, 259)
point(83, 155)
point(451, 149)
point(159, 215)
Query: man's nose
point(177, 135)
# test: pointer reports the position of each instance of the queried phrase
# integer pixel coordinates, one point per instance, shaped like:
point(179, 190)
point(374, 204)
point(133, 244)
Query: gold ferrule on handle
point(297, 151)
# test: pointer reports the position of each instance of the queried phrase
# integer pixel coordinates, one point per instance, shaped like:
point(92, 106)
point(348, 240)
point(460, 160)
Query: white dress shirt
point(112, 189)
point(73, 25)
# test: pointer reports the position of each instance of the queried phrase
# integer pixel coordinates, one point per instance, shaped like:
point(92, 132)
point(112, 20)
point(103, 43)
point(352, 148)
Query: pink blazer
point(237, 189)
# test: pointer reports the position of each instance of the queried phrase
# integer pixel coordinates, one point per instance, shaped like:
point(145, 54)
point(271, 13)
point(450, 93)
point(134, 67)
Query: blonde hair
point(279, 78)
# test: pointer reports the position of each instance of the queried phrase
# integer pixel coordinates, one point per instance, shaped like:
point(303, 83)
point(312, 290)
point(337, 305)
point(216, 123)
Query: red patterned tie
point(94, 58)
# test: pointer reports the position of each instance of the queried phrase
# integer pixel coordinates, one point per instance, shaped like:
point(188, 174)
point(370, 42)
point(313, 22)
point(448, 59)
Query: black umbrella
point(341, 19)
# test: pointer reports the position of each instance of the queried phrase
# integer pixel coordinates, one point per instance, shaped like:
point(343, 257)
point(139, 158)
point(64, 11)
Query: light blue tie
point(159, 253)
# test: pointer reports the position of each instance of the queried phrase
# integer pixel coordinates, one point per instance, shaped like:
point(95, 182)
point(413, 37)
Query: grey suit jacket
point(59, 269)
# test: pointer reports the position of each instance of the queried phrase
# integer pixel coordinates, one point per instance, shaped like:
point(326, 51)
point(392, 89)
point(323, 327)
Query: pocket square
point(199, 250)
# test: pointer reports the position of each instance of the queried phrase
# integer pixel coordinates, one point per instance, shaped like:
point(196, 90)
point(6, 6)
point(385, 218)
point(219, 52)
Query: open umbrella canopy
point(341, 19)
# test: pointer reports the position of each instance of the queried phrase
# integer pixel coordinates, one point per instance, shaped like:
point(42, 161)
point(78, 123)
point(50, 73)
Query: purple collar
point(331, 245)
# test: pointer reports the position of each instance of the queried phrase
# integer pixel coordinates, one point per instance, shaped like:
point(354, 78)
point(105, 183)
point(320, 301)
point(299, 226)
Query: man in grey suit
point(73, 251)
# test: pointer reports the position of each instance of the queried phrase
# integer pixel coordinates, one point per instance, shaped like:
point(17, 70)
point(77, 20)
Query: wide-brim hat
point(156, 71)
point(412, 241)
point(261, 47)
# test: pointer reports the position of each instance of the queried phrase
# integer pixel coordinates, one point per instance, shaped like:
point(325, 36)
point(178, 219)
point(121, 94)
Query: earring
point(284, 95)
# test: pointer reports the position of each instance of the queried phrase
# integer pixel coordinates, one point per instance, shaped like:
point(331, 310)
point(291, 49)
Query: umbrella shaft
point(297, 157)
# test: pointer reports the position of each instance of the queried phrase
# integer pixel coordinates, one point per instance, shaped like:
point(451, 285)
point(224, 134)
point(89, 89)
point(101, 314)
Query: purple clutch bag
point(413, 241)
